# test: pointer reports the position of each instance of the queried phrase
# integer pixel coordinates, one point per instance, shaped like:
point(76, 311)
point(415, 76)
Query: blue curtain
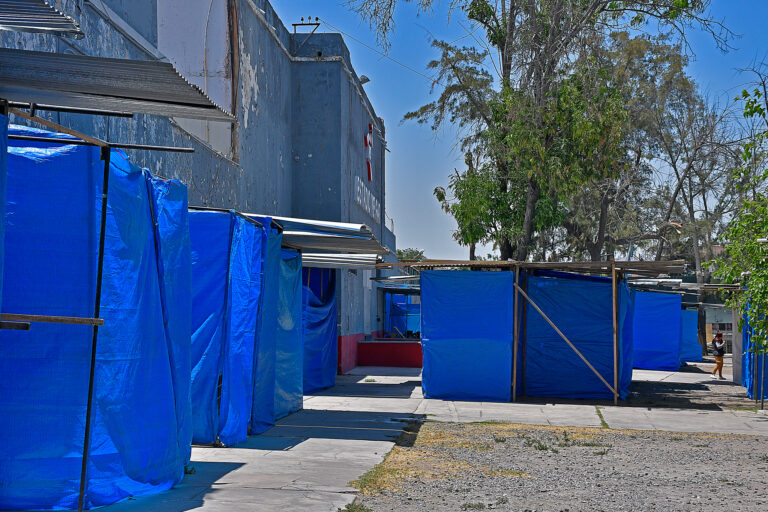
point(690, 350)
point(289, 340)
point(263, 407)
point(657, 330)
point(52, 223)
point(320, 329)
point(226, 289)
point(467, 333)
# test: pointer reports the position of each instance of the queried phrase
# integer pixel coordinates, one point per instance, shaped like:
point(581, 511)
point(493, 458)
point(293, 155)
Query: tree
point(410, 254)
point(746, 259)
point(534, 43)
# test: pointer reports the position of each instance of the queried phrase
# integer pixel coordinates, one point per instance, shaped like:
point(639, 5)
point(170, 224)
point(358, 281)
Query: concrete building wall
point(297, 148)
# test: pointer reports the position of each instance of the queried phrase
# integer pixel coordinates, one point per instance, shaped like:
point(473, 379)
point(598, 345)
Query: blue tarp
point(320, 328)
point(3, 159)
point(139, 416)
point(467, 332)
point(690, 350)
point(582, 309)
point(289, 341)
point(226, 286)
point(752, 366)
point(403, 313)
point(263, 407)
point(657, 331)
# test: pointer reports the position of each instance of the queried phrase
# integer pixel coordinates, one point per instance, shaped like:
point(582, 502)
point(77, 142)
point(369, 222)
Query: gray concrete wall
point(297, 147)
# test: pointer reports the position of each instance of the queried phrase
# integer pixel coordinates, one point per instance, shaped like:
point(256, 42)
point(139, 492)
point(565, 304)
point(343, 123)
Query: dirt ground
point(493, 466)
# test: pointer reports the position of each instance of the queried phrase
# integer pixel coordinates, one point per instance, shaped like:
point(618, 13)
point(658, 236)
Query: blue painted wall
point(301, 117)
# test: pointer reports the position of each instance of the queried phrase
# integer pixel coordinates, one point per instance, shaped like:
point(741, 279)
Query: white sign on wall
point(366, 200)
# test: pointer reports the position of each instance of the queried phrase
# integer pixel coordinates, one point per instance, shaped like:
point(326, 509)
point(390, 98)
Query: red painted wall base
point(348, 352)
point(387, 353)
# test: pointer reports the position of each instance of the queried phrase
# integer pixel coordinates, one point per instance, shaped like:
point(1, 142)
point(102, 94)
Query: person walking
point(718, 349)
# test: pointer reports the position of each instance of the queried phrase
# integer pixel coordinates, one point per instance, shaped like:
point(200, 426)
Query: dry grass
point(408, 464)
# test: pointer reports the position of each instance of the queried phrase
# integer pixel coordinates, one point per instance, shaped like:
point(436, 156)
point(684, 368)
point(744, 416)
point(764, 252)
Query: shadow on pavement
point(347, 387)
point(325, 424)
point(188, 495)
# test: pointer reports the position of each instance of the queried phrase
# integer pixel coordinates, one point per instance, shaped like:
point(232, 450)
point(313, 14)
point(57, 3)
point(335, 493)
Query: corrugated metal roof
point(320, 235)
point(339, 260)
point(37, 16)
point(144, 87)
point(315, 241)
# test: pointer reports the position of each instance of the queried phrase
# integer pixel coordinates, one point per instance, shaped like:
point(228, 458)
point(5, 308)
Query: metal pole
point(754, 371)
point(762, 384)
point(615, 307)
point(515, 337)
point(105, 154)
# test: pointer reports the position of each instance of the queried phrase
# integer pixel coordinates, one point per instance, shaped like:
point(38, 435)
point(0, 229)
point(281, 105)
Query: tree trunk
point(471, 252)
point(596, 249)
point(506, 249)
point(530, 210)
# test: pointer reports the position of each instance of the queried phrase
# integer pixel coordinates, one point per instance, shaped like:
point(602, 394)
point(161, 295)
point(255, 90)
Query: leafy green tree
point(517, 121)
point(746, 258)
point(410, 254)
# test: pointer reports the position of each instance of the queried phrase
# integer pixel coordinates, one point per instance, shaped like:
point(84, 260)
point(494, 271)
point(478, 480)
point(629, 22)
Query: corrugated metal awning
point(317, 235)
point(142, 87)
point(339, 260)
point(37, 16)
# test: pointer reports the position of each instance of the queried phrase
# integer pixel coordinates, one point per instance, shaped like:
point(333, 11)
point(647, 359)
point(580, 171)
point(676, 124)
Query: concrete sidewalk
point(305, 462)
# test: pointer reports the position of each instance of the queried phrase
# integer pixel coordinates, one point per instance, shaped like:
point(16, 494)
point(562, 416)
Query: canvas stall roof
point(316, 235)
point(339, 260)
point(37, 16)
point(80, 81)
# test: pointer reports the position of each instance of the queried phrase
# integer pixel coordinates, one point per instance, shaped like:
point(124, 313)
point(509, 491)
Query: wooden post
point(615, 308)
point(515, 337)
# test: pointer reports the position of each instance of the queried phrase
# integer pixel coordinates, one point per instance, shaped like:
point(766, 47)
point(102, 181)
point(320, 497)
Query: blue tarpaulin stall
point(466, 334)
point(263, 406)
point(226, 253)
point(289, 340)
point(690, 350)
point(657, 331)
point(320, 328)
point(581, 307)
point(140, 437)
point(752, 375)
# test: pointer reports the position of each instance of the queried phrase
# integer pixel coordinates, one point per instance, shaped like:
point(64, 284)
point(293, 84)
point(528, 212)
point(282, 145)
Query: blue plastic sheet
point(3, 160)
point(210, 235)
point(403, 313)
point(52, 222)
point(657, 331)
point(320, 328)
point(244, 293)
point(582, 309)
point(226, 276)
point(467, 333)
point(263, 408)
point(690, 350)
point(289, 341)
point(752, 376)
point(168, 200)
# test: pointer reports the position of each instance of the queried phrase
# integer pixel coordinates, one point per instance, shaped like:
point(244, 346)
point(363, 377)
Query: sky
point(421, 159)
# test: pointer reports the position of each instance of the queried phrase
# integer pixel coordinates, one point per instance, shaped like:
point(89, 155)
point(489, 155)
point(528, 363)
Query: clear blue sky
point(419, 158)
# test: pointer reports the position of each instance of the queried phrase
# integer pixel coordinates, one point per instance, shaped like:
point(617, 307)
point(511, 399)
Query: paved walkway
point(307, 460)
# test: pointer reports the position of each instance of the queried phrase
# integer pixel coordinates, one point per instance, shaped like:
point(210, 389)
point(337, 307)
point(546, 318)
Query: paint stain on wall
point(249, 84)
